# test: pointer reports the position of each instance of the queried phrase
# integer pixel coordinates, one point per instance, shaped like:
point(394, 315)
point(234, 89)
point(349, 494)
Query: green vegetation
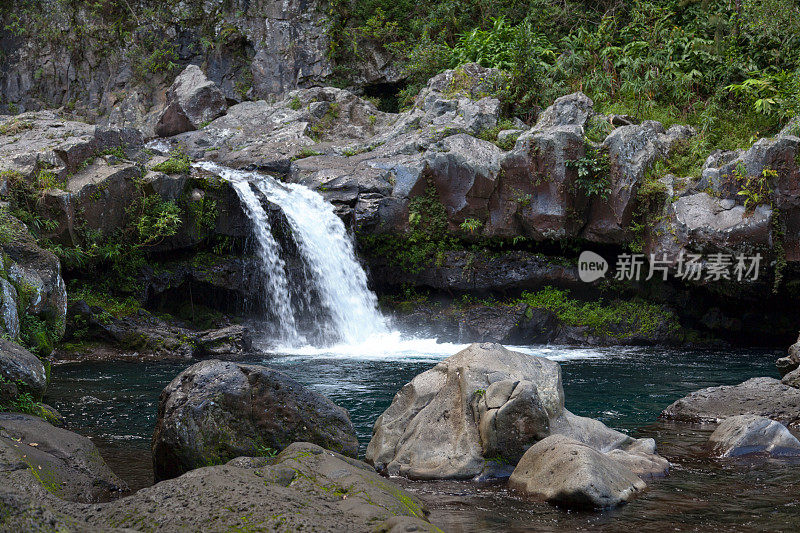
point(324, 124)
point(755, 189)
point(619, 319)
point(178, 163)
point(729, 70)
point(593, 173)
point(24, 402)
point(305, 152)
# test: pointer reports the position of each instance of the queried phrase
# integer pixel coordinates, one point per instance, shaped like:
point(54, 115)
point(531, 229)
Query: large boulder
point(791, 361)
point(68, 465)
point(20, 366)
point(487, 405)
point(747, 434)
point(565, 472)
point(304, 488)
point(192, 101)
point(766, 397)
point(214, 411)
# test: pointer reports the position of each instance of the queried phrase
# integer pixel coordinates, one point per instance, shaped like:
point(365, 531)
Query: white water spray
point(322, 239)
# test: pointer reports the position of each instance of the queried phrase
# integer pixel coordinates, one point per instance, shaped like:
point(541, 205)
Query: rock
point(701, 222)
point(565, 472)
point(45, 140)
point(765, 397)
point(536, 196)
point(791, 361)
point(519, 324)
point(464, 171)
point(192, 101)
point(792, 378)
point(214, 411)
point(33, 281)
point(747, 434)
point(486, 402)
point(335, 493)
point(631, 150)
point(269, 136)
point(468, 271)
point(22, 367)
point(67, 464)
point(571, 110)
point(97, 196)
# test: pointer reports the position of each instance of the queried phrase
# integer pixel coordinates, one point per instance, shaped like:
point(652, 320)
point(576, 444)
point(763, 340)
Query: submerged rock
point(214, 411)
point(747, 434)
point(766, 397)
point(304, 488)
point(66, 464)
point(20, 366)
point(483, 405)
point(565, 472)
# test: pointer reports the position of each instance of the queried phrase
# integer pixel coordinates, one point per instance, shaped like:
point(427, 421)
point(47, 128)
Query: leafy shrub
point(178, 163)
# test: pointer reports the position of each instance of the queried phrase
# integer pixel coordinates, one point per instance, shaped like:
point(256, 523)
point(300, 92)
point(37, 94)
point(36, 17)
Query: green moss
point(295, 104)
point(178, 163)
point(618, 319)
point(15, 126)
point(305, 152)
point(324, 124)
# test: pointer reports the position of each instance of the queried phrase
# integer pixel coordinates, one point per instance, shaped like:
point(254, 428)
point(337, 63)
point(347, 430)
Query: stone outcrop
point(66, 464)
point(766, 397)
point(21, 367)
point(487, 404)
point(215, 411)
point(568, 473)
point(631, 151)
point(333, 492)
point(749, 434)
point(30, 279)
point(192, 102)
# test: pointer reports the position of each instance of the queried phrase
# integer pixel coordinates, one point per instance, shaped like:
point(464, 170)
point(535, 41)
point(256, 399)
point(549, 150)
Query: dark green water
point(115, 404)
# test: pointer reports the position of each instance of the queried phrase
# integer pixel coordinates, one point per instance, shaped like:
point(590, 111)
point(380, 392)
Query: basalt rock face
point(30, 279)
point(256, 49)
point(215, 411)
point(485, 402)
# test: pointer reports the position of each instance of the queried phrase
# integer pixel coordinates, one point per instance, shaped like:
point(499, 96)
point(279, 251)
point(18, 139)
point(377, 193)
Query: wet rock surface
point(488, 404)
point(334, 492)
point(215, 411)
point(766, 397)
point(749, 434)
point(569, 473)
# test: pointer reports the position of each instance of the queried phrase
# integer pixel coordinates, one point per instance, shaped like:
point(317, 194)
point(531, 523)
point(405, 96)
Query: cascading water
point(335, 275)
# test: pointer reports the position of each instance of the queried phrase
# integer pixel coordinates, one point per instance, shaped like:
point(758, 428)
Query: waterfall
point(349, 310)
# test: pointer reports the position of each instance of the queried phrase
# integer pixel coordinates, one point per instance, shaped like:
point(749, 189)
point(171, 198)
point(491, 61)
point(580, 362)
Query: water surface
point(115, 404)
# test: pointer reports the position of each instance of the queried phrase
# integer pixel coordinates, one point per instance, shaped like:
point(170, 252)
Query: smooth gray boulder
point(304, 488)
point(791, 361)
point(20, 366)
point(568, 473)
point(748, 434)
point(192, 101)
point(481, 406)
point(215, 411)
point(66, 464)
point(792, 378)
point(569, 110)
point(766, 397)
